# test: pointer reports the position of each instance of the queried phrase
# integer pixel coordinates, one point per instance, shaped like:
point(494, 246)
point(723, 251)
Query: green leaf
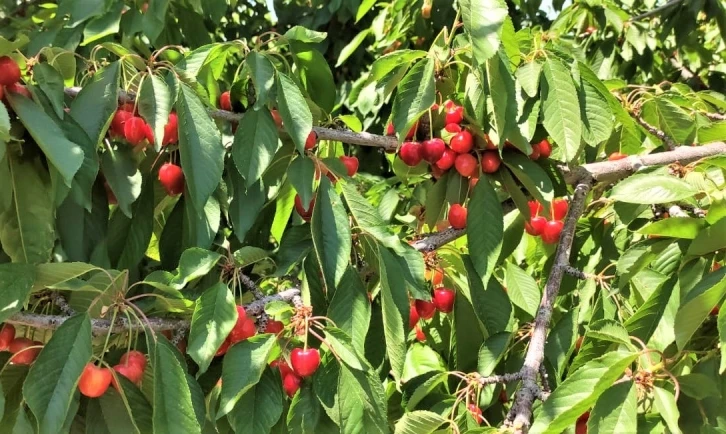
point(193, 264)
point(242, 368)
point(304, 413)
point(26, 228)
point(52, 379)
point(353, 45)
point(504, 104)
point(671, 119)
point(331, 234)
point(532, 176)
point(483, 21)
point(677, 227)
point(7, 47)
point(123, 176)
point(97, 101)
point(154, 102)
point(361, 403)
point(293, 110)
point(65, 155)
point(260, 408)
point(350, 308)
point(522, 289)
point(129, 237)
point(419, 422)
point(492, 351)
point(315, 74)
point(645, 320)
point(215, 314)
point(580, 391)
point(390, 63)
point(262, 73)
point(342, 345)
point(16, 281)
point(721, 324)
point(113, 411)
point(50, 83)
point(697, 305)
point(255, 144)
point(651, 189)
point(4, 129)
point(301, 34)
point(699, 386)
point(491, 304)
point(709, 240)
point(173, 408)
point(200, 146)
point(368, 219)
point(560, 108)
point(484, 228)
point(415, 95)
point(105, 25)
point(246, 204)
point(616, 410)
point(394, 300)
point(597, 118)
point(528, 76)
point(665, 404)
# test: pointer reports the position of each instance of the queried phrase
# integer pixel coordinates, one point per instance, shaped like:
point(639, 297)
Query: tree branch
point(656, 11)
point(669, 143)
point(530, 390)
point(102, 326)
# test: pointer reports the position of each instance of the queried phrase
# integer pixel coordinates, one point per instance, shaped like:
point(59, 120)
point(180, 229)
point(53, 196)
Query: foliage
point(100, 254)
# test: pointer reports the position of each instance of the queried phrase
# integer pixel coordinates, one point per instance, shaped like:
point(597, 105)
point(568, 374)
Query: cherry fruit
point(134, 373)
point(462, 143)
point(617, 156)
point(135, 130)
point(22, 353)
point(457, 216)
point(425, 309)
point(545, 148)
point(305, 362)
point(171, 130)
point(410, 153)
point(413, 317)
point(7, 334)
point(291, 384)
point(311, 141)
point(118, 122)
point(432, 150)
point(171, 177)
point(94, 381)
point(225, 101)
point(466, 165)
point(9, 71)
point(135, 358)
point(447, 160)
point(444, 299)
point(351, 164)
point(490, 162)
point(274, 326)
point(454, 114)
point(306, 214)
point(559, 209)
point(551, 232)
point(536, 225)
point(420, 335)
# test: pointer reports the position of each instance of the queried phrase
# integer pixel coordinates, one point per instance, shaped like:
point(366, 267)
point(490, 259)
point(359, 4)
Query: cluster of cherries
point(442, 300)
point(304, 361)
point(24, 350)
point(548, 230)
point(456, 148)
point(95, 380)
point(10, 78)
point(128, 125)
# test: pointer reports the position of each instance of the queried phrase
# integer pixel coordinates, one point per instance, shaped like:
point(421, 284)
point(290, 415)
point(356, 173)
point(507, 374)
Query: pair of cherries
point(548, 230)
point(95, 380)
point(304, 361)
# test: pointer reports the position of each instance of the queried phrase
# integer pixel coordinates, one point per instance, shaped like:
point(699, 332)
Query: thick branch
point(522, 409)
point(102, 326)
point(715, 116)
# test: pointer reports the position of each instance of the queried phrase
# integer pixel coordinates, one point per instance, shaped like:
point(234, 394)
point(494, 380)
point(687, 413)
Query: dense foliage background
point(176, 179)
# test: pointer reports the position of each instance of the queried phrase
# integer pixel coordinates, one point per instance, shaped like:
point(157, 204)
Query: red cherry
point(535, 153)
point(455, 114)
point(434, 107)
point(21, 355)
point(535, 226)
point(133, 357)
point(390, 129)
point(617, 156)
point(420, 335)
point(135, 130)
point(94, 381)
point(282, 365)
point(432, 150)
point(225, 101)
point(715, 311)
point(149, 133)
point(425, 309)
point(503, 398)
point(311, 141)
point(171, 130)
point(7, 334)
point(578, 343)
point(490, 146)
point(410, 153)
point(305, 362)
point(133, 372)
point(466, 165)
point(490, 162)
point(447, 160)
point(413, 316)
point(277, 118)
point(306, 214)
point(242, 332)
point(412, 132)
point(171, 177)
point(291, 384)
point(551, 232)
point(222, 350)
point(462, 142)
point(581, 424)
point(535, 207)
point(118, 122)
point(9, 71)
point(128, 107)
point(436, 276)
point(2, 94)
point(545, 148)
point(351, 164)
point(444, 299)
point(475, 412)
point(453, 128)
point(457, 216)
point(19, 89)
point(559, 209)
point(274, 326)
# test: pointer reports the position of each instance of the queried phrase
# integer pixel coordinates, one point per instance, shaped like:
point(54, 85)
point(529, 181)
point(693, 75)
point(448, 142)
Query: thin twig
point(669, 143)
point(656, 11)
point(102, 326)
point(505, 378)
point(251, 285)
point(62, 304)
